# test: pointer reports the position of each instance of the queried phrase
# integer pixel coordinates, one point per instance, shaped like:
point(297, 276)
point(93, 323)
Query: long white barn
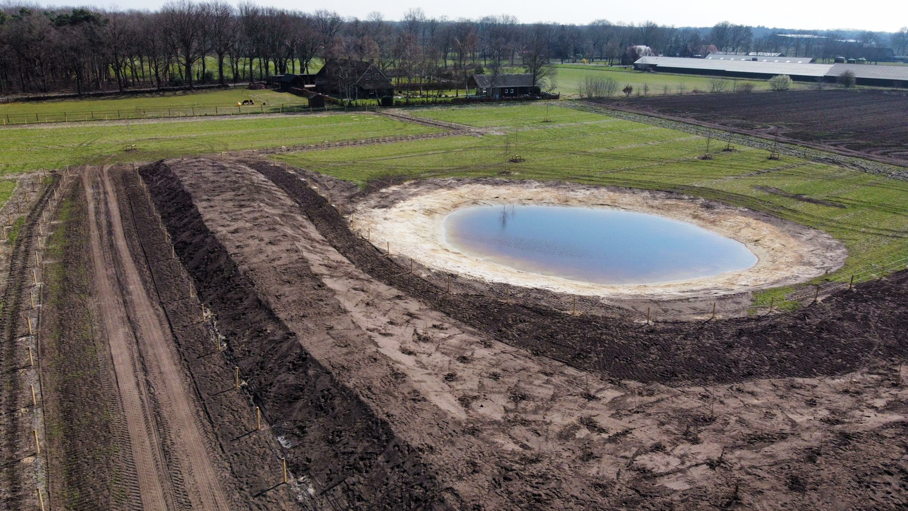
point(866, 74)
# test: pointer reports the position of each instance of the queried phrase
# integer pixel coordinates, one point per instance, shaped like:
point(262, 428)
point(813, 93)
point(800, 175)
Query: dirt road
point(172, 464)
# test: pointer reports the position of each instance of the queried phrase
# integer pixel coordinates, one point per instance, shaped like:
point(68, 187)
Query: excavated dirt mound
point(709, 415)
point(832, 337)
point(326, 431)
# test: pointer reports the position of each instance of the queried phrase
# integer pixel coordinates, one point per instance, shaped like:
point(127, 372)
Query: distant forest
point(185, 44)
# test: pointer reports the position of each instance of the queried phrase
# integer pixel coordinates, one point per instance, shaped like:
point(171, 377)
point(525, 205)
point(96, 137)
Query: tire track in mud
point(251, 458)
point(173, 405)
point(14, 439)
point(154, 488)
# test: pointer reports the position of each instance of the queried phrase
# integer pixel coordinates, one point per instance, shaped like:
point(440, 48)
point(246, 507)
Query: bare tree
point(536, 57)
point(221, 30)
point(183, 23)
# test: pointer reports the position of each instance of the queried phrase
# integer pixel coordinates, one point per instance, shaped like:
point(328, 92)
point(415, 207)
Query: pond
point(602, 246)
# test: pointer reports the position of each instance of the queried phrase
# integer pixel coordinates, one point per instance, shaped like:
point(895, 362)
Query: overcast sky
point(885, 15)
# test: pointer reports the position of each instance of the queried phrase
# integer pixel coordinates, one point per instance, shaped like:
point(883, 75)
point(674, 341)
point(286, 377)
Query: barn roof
point(491, 81)
point(737, 66)
point(861, 71)
point(775, 59)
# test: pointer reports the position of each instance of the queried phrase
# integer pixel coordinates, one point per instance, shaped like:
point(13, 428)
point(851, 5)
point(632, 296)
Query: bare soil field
point(864, 123)
point(388, 390)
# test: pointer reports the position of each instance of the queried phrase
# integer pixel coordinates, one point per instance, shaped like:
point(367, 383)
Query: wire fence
point(151, 113)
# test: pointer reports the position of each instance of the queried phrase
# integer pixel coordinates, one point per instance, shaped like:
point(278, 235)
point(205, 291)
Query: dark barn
point(502, 86)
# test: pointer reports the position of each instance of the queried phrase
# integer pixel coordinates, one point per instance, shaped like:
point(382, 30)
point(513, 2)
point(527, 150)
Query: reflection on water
point(603, 246)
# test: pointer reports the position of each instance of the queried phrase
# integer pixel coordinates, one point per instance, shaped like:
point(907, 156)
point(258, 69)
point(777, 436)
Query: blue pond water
point(597, 245)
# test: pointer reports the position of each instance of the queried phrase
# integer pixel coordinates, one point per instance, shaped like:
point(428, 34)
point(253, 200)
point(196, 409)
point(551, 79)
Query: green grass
point(570, 76)
point(184, 103)
point(590, 148)
point(6, 190)
point(58, 146)
point(13, 233)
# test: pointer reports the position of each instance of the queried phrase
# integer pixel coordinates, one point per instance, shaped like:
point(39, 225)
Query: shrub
point(627, 90)
point(746, 88)
point(718, 85)
point(780, 82)
point(847, 80)
point(598, 87)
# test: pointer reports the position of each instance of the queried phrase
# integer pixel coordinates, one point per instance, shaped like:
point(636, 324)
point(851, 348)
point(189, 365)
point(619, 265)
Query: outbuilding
point(503, 86)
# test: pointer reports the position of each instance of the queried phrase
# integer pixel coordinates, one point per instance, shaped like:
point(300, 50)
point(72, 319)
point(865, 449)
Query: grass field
point(570, 76)
point(147, 105)
point(58, 146)
point(867, 213)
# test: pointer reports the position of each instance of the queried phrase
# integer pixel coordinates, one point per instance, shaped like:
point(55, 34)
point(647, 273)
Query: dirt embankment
point(835, 336)
point(341, 451)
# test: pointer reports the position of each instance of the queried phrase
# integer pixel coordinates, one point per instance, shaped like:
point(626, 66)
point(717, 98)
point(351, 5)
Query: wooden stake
point(411, 265)
point(258, 418)
point(574, 308)
point(816, 297)
point(647, 315)
point(389, 248)
point(284, 463)
point(31, 359)
point(714, 311)
point(40, 498)
point(36, 258)
point(29, 319)
point(37, 445)
point(449, 285)
point(34, 396)
point(851, 284)
point(35, 275)
point(772, 301)
point(237, 377)
point(369, 234)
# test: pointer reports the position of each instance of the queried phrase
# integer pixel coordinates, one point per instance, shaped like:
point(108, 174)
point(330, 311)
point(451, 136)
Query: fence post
point(851, 284)
point(237, 377)
point(284, 464)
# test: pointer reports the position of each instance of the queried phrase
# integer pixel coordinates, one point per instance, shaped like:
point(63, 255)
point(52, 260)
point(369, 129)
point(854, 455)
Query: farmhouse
point(878, 76)
point(351, 79)
point(500, 86)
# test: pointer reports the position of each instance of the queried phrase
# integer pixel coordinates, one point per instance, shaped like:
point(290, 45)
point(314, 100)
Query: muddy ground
point(388, 392)
point(866, 123)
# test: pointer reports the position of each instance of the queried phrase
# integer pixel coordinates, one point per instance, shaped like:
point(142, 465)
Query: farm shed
point(879, 76)
point(501, 86)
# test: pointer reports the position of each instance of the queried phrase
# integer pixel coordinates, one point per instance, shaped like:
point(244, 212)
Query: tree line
point(185, 44)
